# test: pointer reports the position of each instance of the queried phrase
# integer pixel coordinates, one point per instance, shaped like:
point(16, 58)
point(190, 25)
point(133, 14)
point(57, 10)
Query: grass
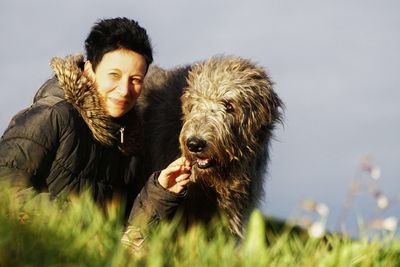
point(37, 232)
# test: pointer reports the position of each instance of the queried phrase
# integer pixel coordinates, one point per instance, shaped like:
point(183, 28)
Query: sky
point(334, 64)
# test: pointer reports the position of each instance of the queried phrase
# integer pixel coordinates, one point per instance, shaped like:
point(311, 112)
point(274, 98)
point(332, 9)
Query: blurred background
point(335, 65)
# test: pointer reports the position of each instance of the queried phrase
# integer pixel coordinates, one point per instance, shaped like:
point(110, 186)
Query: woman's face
point(119, 78)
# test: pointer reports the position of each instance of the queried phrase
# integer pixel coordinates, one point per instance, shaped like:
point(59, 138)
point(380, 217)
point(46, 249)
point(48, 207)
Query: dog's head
point(229, 112)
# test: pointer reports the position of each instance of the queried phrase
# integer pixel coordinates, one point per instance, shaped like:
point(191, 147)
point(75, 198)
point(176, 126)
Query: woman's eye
point(137, 81)
point(114, 75)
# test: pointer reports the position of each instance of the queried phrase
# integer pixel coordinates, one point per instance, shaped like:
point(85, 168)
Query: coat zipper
point(121, 130)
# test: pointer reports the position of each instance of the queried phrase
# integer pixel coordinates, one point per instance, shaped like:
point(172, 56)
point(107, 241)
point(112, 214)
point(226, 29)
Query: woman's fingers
point(183, 183)
point(176, 176)
point(182, 177)
point(180, 164)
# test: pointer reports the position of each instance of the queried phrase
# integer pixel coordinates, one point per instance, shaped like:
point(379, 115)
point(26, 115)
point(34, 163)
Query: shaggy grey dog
point(219, 114)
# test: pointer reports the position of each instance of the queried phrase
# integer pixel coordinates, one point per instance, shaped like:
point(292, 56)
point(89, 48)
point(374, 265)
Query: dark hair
point(110, 34)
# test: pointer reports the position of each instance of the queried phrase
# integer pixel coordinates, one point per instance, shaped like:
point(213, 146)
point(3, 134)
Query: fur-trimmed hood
point(82, 94)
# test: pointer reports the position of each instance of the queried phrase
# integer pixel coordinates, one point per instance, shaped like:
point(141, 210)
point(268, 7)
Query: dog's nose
point(195, 144)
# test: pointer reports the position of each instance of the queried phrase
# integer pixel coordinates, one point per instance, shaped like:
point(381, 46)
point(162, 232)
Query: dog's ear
point(264, 107)
point(275, 107)
point(272, 105)
point(185, 100)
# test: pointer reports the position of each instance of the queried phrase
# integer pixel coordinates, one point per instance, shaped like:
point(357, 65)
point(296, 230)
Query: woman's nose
point(124, 87)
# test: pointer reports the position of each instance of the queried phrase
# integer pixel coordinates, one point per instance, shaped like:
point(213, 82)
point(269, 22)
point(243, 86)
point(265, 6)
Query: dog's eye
point(228, 107)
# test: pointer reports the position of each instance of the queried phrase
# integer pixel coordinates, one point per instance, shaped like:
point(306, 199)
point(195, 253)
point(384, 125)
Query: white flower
point(390, 224)
point(317, 229)
point(382, 202)
point(375, 172)
point(322, 209)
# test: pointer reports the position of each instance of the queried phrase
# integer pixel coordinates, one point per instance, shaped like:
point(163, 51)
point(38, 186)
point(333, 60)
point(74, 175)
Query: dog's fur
point(224, 110)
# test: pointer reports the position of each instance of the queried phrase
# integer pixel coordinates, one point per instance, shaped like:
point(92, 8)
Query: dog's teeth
point(203, 161)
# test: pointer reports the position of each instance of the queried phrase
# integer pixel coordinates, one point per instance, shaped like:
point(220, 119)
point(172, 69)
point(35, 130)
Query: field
point(36, 232)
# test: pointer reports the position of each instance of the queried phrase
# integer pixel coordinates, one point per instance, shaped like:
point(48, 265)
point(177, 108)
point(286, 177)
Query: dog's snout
point(195, 144)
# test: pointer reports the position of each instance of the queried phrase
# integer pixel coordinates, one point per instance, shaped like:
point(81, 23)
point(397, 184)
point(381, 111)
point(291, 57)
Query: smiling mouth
point(204, 163)
point(118, 102)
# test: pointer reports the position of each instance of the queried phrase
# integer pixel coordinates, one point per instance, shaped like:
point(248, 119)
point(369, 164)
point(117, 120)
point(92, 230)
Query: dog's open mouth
point(204, 163)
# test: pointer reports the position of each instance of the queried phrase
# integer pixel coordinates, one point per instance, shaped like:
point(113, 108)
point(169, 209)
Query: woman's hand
point(176, 176)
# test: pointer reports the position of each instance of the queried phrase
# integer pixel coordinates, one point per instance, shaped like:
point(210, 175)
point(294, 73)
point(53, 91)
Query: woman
point(82, 130)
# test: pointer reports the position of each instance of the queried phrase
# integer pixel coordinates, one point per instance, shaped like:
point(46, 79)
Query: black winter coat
point(64, 142)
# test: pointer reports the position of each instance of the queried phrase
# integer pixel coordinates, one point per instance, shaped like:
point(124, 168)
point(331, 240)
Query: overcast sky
point(335, 64)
